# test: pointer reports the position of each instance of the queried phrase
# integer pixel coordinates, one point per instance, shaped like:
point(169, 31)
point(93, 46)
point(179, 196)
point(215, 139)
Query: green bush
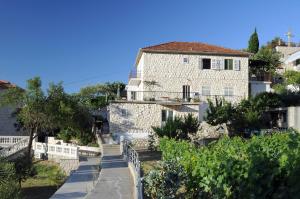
point(9, 187)
point(261, 167)
point(178, 128)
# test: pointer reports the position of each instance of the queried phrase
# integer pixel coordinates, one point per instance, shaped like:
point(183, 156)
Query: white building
point(290, 57)
point(174, 79)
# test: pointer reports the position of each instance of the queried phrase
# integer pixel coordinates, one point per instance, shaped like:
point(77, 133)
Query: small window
point(124, 112)
point(166, 114)
point(297, 62)
point(186, 94)
point(206, 90)
point(206, 63)
point(185, 60)
point(228, 91)
point(133, 95)
point(228, 64)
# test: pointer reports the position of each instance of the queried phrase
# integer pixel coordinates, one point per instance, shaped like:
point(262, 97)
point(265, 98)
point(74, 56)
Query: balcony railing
point(167, 96)
point(266, 77)
point(134, 74)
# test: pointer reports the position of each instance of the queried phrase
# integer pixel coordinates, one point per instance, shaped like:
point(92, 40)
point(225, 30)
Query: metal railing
point(266, 77)
point(134, 74)
point(12, 149)
point(133, 157)
point(181, 97)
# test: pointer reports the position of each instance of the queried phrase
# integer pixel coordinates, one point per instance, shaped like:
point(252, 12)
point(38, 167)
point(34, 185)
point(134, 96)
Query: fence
point(14, 148)
point(56, 150)
point(183, 96)
point(6, 141)
point(133, 158)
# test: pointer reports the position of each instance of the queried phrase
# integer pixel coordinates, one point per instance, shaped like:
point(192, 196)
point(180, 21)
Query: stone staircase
point(14, 149)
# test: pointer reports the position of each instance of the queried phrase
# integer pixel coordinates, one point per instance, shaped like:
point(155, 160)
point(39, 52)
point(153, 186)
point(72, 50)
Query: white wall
point(259, 87)
point(293, 117)
point(139, 117)
point(171, 73)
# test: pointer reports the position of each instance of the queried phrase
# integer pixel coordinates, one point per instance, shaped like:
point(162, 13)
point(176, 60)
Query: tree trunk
point(30, 144)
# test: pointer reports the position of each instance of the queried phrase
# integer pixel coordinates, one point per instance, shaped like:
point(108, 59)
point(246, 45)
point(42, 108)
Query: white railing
point(133, 157)
point(12, 149)
point(6, 141)
point(57, 150)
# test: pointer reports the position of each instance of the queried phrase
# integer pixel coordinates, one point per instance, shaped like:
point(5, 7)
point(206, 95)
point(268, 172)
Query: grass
point(149, 160)
point(49, 177)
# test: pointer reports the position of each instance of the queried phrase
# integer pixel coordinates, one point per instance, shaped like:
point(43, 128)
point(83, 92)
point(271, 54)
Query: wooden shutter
point(200, 64)
point(214, 64)
point(222, 65)
point(237, 64)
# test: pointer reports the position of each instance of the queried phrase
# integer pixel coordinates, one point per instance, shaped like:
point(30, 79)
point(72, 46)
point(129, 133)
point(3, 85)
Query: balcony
point(134, 78)
point(264, 77)
point(173, 98)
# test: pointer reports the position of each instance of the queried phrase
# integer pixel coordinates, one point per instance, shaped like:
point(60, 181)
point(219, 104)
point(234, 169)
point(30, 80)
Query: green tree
point(253, 44)
point(269, 61)
point(97, 96)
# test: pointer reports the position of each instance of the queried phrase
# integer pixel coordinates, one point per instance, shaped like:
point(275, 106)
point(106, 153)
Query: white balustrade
point(14, 148)
point(57, 150)
point(6, 141)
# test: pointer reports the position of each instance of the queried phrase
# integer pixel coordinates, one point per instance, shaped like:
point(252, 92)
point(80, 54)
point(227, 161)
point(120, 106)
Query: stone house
point(174, 79)
point(290, 58)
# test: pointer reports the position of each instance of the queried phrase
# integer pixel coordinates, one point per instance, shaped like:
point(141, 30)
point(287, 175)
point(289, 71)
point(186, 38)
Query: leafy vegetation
point(245, 115)
point(261, 167)
point(178, 128)
point(97, 96)
point(8, 181)
point(48, 177)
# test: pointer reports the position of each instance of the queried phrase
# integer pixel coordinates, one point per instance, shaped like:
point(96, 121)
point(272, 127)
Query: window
point(185, 91)
point(133, 95)
point(206, 90)
point(206, 63)
point(185, 60)
point(124, 112)
point(165, 115)
point(297, 62)
point(228, 91)
point(228, 64)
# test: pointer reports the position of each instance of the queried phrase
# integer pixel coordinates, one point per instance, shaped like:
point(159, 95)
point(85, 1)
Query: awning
point(293, 57)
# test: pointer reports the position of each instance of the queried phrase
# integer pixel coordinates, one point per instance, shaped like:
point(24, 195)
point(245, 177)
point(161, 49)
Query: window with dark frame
point(228, 64)
point(186, 92)
point(185, 60)
point(206, 63)
point(133, 95)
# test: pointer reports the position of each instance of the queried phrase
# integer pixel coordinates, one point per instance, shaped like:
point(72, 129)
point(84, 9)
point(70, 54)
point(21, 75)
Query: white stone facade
point(135, 119)
point(286, 52)
point(170, 73)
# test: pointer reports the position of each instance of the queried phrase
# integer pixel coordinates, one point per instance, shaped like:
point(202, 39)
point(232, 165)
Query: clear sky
point(83, 42)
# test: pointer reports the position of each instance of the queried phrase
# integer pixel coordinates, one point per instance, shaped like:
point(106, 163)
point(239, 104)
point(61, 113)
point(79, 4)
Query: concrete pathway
point(115, 181)
point(81, 181)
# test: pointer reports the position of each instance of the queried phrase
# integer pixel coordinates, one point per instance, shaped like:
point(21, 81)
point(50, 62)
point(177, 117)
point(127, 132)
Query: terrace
point(177, 97)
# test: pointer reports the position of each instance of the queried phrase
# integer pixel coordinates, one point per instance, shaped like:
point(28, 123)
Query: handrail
point(8, 151)
point(132, 156)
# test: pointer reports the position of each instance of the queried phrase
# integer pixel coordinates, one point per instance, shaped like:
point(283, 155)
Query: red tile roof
point(6, 84)
point(193, 48)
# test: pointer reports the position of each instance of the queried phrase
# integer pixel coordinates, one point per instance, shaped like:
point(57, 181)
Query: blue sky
point(84, 42)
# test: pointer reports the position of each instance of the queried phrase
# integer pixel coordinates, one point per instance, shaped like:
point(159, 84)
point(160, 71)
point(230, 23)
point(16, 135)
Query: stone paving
point(81, 181)
point(115, 181)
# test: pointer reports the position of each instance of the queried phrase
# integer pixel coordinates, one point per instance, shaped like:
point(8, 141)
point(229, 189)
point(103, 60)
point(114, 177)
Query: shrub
point(178, 128)
point(261, 167)
point(9, 187)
